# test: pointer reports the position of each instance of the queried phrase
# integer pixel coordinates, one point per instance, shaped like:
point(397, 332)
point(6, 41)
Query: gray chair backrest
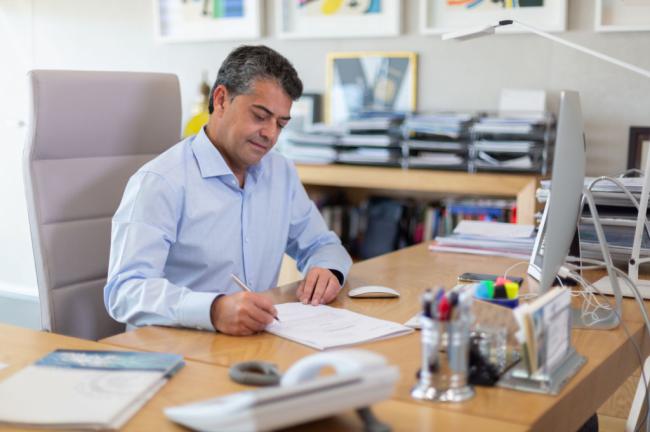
point(89, 132)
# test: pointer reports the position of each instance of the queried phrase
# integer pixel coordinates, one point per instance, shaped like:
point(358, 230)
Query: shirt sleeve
point(143, 230)
point(310, 242)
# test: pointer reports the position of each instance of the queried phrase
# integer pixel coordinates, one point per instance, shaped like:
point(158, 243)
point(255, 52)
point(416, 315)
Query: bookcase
point(420, 183)
point(522, 187)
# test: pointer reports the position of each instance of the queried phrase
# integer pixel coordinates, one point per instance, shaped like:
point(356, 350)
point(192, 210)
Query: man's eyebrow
point(269, 112)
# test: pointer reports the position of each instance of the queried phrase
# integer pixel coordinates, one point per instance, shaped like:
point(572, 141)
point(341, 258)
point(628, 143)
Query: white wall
point(118, 35)
point(16, 262)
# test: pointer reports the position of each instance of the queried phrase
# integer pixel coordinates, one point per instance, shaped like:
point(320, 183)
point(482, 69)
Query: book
point(79, 389)
point(324, 327)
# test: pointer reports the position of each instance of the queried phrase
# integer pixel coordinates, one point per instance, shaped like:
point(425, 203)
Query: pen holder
point(443, 377)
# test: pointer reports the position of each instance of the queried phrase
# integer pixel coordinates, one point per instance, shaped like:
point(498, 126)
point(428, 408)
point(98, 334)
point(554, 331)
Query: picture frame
point(306, 112)
point(442, 16)
point(370, 81)
point(638, 146)
point(206, 20)
point(622, 15)
point(302, 19)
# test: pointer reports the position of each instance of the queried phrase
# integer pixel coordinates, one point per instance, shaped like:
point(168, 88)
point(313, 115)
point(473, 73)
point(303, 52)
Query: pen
point(436, 300)
point(243, 286)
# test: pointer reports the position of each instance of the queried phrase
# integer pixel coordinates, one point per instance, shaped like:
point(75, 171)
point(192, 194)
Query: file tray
point(551, 383)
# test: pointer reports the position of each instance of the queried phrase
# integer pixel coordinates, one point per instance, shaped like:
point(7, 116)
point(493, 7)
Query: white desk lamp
point(609, 284)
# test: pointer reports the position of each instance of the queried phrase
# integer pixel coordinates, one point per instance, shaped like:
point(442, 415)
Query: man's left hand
point(319, 287)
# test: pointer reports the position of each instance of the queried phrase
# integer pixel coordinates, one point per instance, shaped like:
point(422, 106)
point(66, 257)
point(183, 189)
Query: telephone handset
point(361, 379)
point(344, 362)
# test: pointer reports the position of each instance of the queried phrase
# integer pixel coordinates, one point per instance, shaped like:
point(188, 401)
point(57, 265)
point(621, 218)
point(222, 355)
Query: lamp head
point(475, 32)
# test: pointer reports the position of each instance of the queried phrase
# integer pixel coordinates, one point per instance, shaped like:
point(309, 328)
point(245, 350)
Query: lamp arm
point(585, 50)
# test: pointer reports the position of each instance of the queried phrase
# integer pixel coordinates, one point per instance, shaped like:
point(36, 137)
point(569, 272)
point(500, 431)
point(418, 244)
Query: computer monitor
point(563, 207)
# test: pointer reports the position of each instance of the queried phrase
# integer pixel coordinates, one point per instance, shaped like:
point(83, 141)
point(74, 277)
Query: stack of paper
point(435, 159)
point(617, 216)
point(489, 238)
point(84, 389)
point(324, 327)
point(437, 125)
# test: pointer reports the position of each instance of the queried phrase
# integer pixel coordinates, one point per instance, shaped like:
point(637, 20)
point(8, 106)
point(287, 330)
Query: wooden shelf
point(519, 186)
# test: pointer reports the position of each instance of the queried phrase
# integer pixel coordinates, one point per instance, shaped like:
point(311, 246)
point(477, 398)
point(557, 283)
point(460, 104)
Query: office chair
point(89, 132)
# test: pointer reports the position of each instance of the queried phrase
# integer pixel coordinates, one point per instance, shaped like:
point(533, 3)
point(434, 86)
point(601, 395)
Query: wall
point(118, 35)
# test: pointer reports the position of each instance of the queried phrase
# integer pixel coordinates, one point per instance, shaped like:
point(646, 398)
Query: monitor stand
point(604, 319)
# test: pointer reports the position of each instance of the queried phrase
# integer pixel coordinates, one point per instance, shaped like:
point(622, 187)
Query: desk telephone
point(361, 378)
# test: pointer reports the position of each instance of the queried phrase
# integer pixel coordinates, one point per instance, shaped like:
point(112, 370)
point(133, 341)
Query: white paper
point(517, 100)
point(494, 229)
point(69, 398)
point(323, 327)
point(414, 322)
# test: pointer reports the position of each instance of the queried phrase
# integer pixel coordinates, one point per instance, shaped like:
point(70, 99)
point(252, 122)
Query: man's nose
point(269, 132)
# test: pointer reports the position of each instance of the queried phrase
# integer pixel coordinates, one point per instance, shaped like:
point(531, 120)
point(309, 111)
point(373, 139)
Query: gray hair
point(248, 63)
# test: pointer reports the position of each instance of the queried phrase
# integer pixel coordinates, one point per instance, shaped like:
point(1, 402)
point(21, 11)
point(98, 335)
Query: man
point(220, 204)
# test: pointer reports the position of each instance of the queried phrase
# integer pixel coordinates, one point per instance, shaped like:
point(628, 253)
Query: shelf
point(519, 186)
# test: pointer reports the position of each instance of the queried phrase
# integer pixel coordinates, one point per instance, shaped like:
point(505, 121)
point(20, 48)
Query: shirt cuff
point(338, 275)
point(194, 311)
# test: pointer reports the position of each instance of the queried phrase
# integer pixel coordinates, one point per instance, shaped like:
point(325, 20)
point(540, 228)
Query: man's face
point(249, 124)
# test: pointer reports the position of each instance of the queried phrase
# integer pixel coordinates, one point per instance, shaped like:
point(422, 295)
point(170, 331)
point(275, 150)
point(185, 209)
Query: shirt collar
point(211, 162)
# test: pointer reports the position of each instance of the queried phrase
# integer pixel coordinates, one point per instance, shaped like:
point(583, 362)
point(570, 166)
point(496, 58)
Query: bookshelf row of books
point(378, 225)
point(456, 141)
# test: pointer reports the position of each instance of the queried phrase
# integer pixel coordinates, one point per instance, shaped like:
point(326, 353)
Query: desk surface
point(611, 355)
point(20, 347)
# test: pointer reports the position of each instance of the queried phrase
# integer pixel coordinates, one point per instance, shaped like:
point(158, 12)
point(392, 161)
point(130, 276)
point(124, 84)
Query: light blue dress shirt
point(184, 225)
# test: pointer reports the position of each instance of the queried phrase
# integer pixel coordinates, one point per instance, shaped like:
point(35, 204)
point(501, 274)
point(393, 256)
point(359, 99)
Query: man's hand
point(242, 314)
point(319, 287)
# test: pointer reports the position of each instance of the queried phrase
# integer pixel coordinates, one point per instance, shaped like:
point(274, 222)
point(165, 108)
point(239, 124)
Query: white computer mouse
point(372, 291)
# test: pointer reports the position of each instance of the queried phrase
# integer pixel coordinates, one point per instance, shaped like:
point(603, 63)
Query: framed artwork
point(622, 15)
point(337, 18)
point(306, 111)
point(442, 16)
point(204, 20)
point(638, 146)
point(370, 81)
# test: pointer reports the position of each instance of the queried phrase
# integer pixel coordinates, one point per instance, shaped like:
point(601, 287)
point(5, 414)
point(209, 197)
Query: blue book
point(166, 363)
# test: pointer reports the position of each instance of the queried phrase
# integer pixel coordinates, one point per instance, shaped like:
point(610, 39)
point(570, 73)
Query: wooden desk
point(519, 186)
point(20, 347)
point(611, 356)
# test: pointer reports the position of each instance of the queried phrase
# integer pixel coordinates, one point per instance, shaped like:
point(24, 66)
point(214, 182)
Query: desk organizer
point(549, 382)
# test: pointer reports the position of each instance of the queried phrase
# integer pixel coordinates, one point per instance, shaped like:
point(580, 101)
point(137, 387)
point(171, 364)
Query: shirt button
point(246, 239)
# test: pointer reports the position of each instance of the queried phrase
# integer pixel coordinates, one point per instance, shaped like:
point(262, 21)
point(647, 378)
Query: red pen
point(443, 309)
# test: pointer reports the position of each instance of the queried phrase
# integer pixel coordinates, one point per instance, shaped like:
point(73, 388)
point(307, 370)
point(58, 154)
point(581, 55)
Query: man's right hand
point(242, 314)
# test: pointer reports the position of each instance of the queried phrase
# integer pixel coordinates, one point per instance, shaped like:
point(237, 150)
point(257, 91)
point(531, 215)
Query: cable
point(591, 303)
point(627, 192)
point(641, 304)
point(517, 264)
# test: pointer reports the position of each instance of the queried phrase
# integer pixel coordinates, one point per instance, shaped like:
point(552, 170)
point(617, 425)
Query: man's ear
point(220, 99)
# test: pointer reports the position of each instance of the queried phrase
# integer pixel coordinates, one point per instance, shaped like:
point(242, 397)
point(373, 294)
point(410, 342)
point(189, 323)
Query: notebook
point(324, 327)
point(73, 389)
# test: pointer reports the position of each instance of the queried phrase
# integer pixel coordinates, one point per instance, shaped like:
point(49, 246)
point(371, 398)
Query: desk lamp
point(611, 281)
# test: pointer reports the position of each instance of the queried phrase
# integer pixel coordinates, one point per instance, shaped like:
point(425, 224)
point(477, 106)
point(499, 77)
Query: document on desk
point(71, 389)
point(324, 327)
